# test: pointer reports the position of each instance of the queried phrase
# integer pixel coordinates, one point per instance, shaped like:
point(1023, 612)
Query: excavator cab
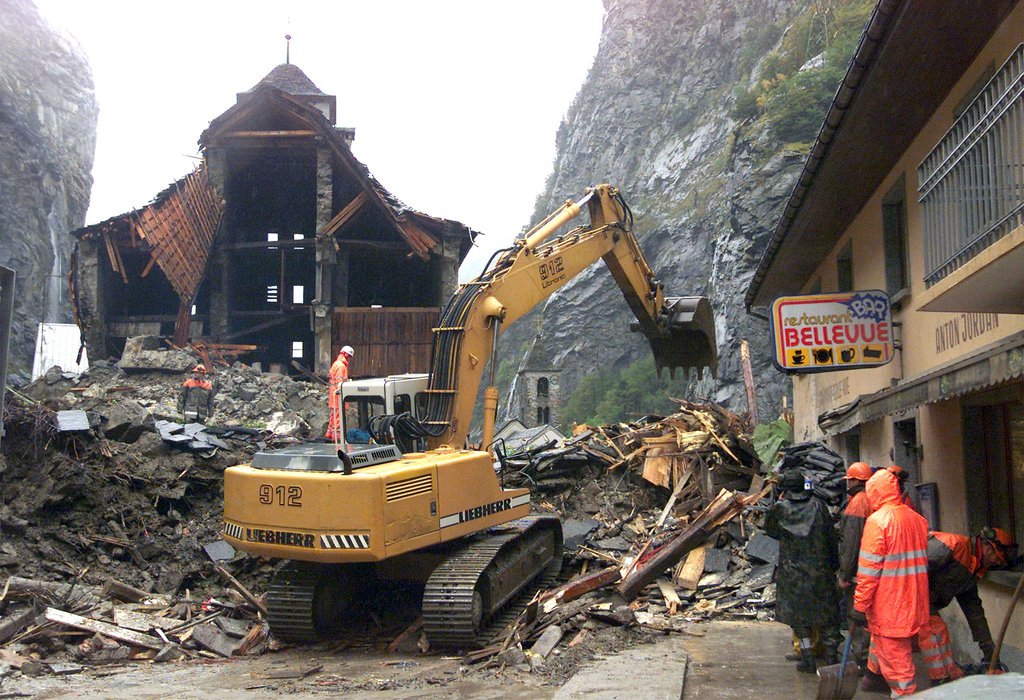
point(689, 340)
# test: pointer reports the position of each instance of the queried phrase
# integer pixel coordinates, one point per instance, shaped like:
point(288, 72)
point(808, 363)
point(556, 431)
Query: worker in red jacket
point(851, 526)
point(337, 375)
point(955, 565)
point(892, 584)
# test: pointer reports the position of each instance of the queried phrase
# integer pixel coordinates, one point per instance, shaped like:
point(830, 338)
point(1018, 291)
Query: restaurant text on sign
point(831, 332)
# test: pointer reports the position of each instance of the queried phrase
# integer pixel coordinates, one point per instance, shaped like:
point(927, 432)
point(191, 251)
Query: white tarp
point(57, 344)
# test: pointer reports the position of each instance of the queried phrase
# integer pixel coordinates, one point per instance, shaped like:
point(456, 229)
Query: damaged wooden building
point(280, 239)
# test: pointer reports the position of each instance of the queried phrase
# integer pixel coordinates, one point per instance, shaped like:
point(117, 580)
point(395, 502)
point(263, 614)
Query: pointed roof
point(422, 232)
point(289, 78)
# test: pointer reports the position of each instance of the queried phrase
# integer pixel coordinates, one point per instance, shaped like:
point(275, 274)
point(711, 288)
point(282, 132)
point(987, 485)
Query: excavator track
point(479, 588)
point(307, 602)
point(290, 602)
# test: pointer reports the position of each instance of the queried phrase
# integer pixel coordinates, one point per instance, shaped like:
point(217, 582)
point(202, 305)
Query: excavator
point(349, 518)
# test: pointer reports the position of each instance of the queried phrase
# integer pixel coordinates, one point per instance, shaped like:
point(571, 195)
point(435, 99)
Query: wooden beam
point(296, 133)
point(262, 326)
point(346, 213)
point(105, 628)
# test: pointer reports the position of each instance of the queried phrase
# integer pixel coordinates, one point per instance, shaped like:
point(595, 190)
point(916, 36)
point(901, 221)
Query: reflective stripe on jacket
point(196, 399)
point(892, 573)
point(954, 570)
point(337, 375)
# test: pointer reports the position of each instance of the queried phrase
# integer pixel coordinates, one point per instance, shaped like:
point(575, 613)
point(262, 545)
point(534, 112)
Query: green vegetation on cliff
point(609, 396)
point(798, 79)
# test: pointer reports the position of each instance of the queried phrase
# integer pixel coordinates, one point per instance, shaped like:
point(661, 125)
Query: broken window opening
point(271, 293)
point(298, 294)
point(296, 349)
point(542, 388)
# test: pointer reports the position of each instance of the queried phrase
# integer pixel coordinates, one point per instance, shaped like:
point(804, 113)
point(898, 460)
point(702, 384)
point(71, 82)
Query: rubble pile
point(662, 521)
point(101, 476)
point(57, 628)
point(111, 510)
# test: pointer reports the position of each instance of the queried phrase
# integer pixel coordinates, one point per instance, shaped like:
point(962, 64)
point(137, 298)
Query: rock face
point(48, 118)
point(654, 118)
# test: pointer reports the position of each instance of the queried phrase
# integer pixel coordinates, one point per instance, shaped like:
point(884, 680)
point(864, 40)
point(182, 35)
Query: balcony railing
point(972, 183)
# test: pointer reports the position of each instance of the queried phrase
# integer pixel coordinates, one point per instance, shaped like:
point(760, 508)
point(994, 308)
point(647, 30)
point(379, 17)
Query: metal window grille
point(972, 183)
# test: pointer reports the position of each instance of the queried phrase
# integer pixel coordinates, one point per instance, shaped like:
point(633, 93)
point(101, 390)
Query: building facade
point(915, 186)
point(281, 241)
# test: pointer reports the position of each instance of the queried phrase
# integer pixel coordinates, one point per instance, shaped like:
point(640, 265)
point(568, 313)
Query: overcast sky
point(455, 103)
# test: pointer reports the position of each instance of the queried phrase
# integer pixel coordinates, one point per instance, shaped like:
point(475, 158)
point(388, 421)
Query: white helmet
point(347, 350)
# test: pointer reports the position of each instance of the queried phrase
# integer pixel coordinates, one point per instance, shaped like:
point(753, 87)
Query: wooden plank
point(574, 589)
point(10, 626)
point(105, 628)
point(346, 214)
point(680, 485)
point(412, 629)
point(668, 592)
point(122, 591)
point(141, 622)
point(294, 133)
point(635, 453)
point(249, 597)
point(688, 573)
point(725, 506)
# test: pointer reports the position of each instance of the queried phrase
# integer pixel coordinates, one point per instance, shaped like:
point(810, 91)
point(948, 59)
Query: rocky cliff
point(656, 118)
point(48, 118)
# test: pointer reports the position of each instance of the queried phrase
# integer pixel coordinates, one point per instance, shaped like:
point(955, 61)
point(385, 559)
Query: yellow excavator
point(350, 518)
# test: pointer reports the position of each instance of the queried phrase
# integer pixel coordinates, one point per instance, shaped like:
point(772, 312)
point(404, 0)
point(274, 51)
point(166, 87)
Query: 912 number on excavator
point(284, 495)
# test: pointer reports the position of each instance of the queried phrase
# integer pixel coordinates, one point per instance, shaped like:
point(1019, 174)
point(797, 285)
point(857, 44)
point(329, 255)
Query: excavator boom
point(680, 329)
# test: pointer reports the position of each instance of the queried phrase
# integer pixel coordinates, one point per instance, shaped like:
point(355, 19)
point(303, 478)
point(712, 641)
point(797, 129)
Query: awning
point(994, 364)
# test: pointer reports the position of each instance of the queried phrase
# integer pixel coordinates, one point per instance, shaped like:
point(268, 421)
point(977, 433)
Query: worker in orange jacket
point(337, 375)
point(195, 398)
point(851, 527)
point(892, 584)
point(955, 565)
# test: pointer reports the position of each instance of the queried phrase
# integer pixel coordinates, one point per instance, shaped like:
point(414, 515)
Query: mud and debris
point(112, 553)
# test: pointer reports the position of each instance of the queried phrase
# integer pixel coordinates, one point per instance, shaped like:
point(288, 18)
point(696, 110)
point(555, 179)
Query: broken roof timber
point(414, 227)
point(180, 230)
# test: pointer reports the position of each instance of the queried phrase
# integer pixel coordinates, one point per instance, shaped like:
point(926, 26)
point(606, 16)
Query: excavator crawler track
point(480, 587)
point(290, 602)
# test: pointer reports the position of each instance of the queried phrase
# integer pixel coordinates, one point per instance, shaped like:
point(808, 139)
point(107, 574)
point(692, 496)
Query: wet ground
point(719, 660)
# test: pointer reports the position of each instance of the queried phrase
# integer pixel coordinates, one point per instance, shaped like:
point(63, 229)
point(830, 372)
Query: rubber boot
point(873, 683)
point(807, 663)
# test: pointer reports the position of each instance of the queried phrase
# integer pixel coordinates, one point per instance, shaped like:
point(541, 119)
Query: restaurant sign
point(832, 332)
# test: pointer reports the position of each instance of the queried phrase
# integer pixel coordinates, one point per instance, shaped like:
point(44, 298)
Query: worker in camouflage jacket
point(195, 400)
point(851, 527)
point(808, 597)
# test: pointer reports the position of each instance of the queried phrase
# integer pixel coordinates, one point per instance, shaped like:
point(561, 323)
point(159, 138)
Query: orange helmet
point(201, 368)
point(997, 535)
point(861, 471)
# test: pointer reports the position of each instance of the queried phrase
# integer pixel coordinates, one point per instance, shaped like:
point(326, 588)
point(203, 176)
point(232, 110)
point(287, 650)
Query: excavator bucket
point(690, 342)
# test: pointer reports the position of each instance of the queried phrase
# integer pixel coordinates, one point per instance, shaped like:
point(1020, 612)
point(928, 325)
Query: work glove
point(858, 618)
point(987, 649)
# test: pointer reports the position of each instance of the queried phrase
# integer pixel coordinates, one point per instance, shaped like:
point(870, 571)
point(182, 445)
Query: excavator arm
point(680, 330)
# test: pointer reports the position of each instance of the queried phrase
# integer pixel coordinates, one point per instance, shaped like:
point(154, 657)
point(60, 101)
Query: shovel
point(839, 682)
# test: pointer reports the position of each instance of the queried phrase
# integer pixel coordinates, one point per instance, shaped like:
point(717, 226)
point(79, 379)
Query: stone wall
point(48, 116)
